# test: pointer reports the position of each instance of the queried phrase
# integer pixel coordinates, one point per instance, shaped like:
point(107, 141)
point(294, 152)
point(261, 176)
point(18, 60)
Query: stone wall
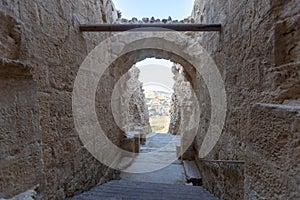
point(175, 116)
point(273, 161)
point(137, 119)
point(175, 107)
point(218, 172)
point(20, 140)
point(286, 73)
point(131, 110)
point(46, 35)
point(184, 112)
point(257, 53)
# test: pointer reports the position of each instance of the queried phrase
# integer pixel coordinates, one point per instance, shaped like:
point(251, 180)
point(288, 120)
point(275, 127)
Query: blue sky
point(177, 9)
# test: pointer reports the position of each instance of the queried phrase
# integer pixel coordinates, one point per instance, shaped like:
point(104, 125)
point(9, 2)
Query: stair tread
point(158, 187)
point(122, 190)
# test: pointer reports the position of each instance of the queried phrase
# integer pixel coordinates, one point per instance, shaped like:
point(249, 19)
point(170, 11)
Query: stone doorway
point(187, 73)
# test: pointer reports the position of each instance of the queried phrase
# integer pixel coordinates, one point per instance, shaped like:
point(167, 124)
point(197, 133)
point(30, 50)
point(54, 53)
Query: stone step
point(192, 172)
point(140, 194)
point(153, 186)
point(123, 190)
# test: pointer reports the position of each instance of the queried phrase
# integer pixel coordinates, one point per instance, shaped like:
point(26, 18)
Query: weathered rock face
point(273, 158)
point(137, 118)
point(39, 144)
point(185, 112)
point(124, 110)
point(178, 90)
point(20, 140)
point(175, 116)
point(257, 53)
point(10, 37)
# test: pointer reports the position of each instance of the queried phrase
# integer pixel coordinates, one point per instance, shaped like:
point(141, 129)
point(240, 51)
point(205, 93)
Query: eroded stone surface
point(272, 163)
point(137, 118)
point(39, 144)
point(21, 166)
point(257, 53)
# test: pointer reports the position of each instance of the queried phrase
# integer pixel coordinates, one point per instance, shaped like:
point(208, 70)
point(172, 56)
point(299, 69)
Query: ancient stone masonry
point(151, 20)
point(175, 109)
point(272, 168)
point(41, 50)
point(129, 111)
point(257, 53)
point(136, 118)
point(21, 166)
point(10, 37)
point(175, 116)
point(184, 110)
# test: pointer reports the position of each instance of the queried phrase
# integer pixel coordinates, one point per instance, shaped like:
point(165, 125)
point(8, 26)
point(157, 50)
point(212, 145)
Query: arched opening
point(124, 64)
point(44, 148)
point(135, 48)
point(159, 73)
point(119, 68)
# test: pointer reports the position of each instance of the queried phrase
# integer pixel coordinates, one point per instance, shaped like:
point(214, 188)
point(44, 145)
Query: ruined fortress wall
point(175, 107)
point(45, 34)
point(273, 157)
point(272, 142)
point(20, 140)
point(136, 118)
point(257, 53)
point(132, 111)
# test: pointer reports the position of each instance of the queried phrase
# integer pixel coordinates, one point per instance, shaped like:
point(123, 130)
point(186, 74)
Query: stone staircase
point(167, 183)
point(130, 190)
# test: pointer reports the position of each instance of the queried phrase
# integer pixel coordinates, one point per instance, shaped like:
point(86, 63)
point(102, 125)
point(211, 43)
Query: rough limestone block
point(20, 141)
point(287, 41)
point(272, 154)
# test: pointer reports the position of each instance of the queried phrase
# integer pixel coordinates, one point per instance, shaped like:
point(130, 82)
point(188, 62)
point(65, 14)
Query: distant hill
point(159, 104)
